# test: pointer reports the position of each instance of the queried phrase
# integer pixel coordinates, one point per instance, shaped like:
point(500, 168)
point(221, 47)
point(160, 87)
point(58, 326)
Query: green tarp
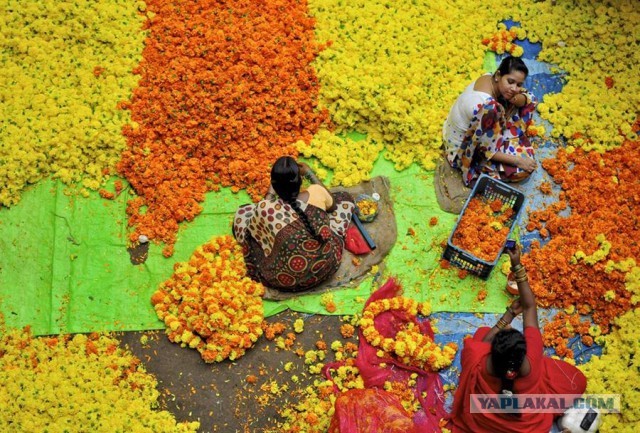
point(64, 266)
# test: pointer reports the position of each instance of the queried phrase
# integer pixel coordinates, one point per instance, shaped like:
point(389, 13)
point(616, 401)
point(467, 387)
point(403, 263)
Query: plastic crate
point(490, 189)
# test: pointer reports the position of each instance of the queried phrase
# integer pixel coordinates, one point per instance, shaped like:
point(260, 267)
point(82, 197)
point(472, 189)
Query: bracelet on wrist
point(517, 267)
point(501, 324)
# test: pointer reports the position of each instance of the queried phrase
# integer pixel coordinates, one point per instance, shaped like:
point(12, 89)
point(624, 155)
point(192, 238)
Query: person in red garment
point(502, 360)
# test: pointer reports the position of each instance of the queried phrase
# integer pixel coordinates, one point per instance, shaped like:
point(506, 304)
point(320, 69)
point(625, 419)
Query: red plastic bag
point(370, 410)
point(355, 242)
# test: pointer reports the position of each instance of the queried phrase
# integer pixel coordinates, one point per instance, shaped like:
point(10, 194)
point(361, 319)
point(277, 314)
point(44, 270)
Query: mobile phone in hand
point(511, 244)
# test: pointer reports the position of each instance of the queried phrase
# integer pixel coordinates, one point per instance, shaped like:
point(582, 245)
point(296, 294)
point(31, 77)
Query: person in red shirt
point(502, 360)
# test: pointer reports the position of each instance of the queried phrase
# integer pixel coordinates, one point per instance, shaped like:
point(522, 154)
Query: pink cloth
point(374, 375)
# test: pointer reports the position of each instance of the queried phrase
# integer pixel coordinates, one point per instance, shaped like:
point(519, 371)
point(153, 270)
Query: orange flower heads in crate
point(483, 226)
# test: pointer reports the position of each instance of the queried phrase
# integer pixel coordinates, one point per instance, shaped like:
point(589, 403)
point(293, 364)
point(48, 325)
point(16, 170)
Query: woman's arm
point(520, 99)
point(527, 164)
point(527, 299)
point(502, 323)
point(305, 171)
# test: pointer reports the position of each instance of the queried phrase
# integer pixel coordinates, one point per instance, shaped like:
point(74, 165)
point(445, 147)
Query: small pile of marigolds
point(210, 304)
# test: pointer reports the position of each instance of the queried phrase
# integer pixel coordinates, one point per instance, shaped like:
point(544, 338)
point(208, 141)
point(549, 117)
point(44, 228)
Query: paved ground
point(219, 394)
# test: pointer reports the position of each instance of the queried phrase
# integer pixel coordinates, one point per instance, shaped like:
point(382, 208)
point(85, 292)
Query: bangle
point(517, 267)
point(510, 311)
point(501, 323)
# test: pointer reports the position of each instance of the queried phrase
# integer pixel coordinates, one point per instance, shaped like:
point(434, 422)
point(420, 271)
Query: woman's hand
point(514, 255)
point(303, 168)
point(526, 163)
point(516, 307)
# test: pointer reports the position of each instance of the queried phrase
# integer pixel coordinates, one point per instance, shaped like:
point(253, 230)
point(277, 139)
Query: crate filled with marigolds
point(483, 227)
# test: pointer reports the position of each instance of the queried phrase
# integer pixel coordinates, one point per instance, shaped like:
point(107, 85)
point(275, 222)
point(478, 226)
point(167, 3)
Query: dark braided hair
point(508, 350)
point(286, 181)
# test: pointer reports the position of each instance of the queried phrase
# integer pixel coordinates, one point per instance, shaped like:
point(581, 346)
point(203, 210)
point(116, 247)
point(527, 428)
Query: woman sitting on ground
point(485, 131)
point(501, 360)
point(293, 240)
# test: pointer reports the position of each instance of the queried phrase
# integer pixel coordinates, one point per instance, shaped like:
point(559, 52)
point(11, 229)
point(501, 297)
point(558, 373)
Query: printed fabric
point(278, 249)
point(490, 129)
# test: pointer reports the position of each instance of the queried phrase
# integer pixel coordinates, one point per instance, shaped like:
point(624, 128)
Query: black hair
point(508, 350)
point(510, 64)
point(286, 181)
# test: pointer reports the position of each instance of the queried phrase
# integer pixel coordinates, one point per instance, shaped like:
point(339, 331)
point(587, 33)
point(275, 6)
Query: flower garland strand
point(209, 303)
point(409, 345)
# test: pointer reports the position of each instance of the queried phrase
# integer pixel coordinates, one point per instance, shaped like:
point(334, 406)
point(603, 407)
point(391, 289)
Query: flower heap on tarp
point(599, 101)
point(502, 40)
point(616, 372)
point(350, 160)
point(385, 73)
point(63, 67)
point(77, 384)
point(587, 265)
point(483, 228)
point(210, 304)
point(223, 93)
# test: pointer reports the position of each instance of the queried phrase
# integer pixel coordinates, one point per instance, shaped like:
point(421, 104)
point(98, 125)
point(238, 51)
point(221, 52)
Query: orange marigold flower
point(347, 330)
point(251, 379)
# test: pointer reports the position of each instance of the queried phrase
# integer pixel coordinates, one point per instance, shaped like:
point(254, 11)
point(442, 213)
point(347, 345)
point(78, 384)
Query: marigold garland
point(209, 303)
point(410, 346)
point(218, 101)
point(483, 228)
point(77, 384)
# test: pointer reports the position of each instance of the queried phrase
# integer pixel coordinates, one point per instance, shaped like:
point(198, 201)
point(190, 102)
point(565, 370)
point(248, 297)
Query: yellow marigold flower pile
point(410, 346)
point(64, 66)
point(351, 160)
point(502, 41)
point(395, 68)
point(77, 384)
point(597, 47)
point(210, 304)
point(616, 372)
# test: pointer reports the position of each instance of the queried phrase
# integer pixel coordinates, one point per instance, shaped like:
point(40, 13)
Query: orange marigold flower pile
point(587, 258)
point(483, 228)
point(561, 328)
point(210, 304)
point(223, 92)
